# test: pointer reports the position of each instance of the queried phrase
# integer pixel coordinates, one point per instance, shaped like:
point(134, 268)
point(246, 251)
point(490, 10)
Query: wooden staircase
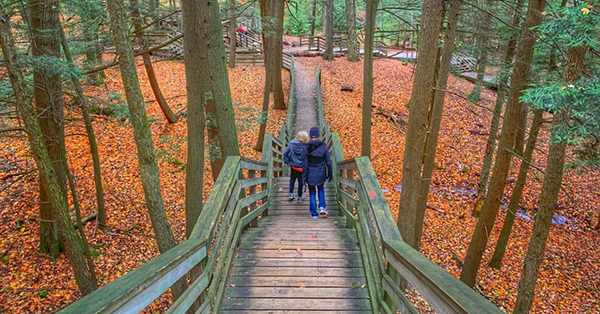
point(291, 262)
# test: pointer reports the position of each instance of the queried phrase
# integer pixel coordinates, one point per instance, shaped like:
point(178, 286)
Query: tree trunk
point(512, 117)
point(371, 9)
point(313, 20)
point(211, 56)
point(550, 188)
point(149, 171)
point(74, 246)
point(328, 55)
point(232, 34)
point(353, 54)
point(143, 42)
point(278, 96)
point(500, 100)
point(48, 96)
point(481, 64)
point(89, 129)
point(93, 53)
point(193, 32)
point(265, 14)
point(436, 116)
point(418, 120)
point(264, 115)
point(496, 261)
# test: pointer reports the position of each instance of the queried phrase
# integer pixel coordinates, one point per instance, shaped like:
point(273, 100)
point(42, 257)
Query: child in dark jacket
point(295, 157)
point(318, 172)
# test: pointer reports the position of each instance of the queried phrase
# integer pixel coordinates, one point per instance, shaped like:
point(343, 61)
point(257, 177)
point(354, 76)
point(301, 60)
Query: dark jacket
point(295, 155)
point(319, 163)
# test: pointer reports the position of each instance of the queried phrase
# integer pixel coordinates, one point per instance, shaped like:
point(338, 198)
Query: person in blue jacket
point(295, 157)
point(318, 172)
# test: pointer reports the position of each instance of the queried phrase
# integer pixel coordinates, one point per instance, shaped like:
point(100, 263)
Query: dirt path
point(306, 109)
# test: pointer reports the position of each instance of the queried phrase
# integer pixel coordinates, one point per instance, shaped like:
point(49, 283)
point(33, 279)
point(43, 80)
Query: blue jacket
point(295, 155)
point(319, 163)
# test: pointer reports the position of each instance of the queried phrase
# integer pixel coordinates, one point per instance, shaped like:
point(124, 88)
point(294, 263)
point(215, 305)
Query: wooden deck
point(291, 263)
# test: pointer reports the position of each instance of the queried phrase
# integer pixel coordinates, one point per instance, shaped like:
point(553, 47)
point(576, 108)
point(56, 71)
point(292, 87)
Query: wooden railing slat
point(186, 300)
point(253, 198)
point(253, 181)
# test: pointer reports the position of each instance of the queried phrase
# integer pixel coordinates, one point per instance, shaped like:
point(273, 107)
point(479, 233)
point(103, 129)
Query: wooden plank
point(253, 198)
point(333, 282)
point(444, 292)
point(296, 293)
point(347, 182)
point(292, 312)
point(296, 304)
point(319, 235)
point(297, 272)
point(286, 262)
point(133, 291)
point(217, 200)
point(185, 301)
point(254, 213)
point(253, 181)
point(295, 254)
point(324, 245)
point(401, 302)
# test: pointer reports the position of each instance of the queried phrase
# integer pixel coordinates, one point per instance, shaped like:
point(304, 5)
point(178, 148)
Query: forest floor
point(31, 282)
point(569, 278)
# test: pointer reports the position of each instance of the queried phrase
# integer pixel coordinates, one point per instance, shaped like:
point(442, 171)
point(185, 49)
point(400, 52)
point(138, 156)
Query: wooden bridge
point(252, 251)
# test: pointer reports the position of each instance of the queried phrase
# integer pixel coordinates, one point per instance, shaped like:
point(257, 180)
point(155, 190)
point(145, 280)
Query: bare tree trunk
point(74, 245)
point(496, 261)
point(500, 100)
point(232, 33)
point(353, 54)
point(149, 171)
point(278, 97)
point(328, 55)
point(48, 101)
point(436, 116)
point(313, 20)
point(93, 53)
point(549, 195)
point(371, 10)
point(143, 42)
point(512, 117)
point(193, 32)
point(266, 18)
point(418, 121)
point(264, 115)
point(211, 56)
point(89, 129)
point(481, 63)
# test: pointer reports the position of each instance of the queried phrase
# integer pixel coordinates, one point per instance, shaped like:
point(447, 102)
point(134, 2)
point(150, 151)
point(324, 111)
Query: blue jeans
point(296, 175)
point(312, 191)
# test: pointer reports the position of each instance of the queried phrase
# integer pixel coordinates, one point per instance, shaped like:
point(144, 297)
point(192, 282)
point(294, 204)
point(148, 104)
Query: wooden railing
point(388, 260)
point(239, 196)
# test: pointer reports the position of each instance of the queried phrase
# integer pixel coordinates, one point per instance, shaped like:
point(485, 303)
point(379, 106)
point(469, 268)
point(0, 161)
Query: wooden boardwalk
point(292, 263)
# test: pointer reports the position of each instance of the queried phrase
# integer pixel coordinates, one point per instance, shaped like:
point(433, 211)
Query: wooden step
point(296, 272)
point(332, 282)
point(255, 253)
point(296, 304)
point(287, 262)
point(323, 245)
point(297, 293)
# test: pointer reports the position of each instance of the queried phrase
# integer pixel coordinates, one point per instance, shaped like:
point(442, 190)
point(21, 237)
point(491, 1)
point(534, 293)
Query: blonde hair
point(302, 136)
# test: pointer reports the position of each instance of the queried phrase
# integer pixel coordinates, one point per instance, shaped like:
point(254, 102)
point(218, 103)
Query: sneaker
point(301, 198)
point(314, 217)
point(322, 212)
point(291, 197)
